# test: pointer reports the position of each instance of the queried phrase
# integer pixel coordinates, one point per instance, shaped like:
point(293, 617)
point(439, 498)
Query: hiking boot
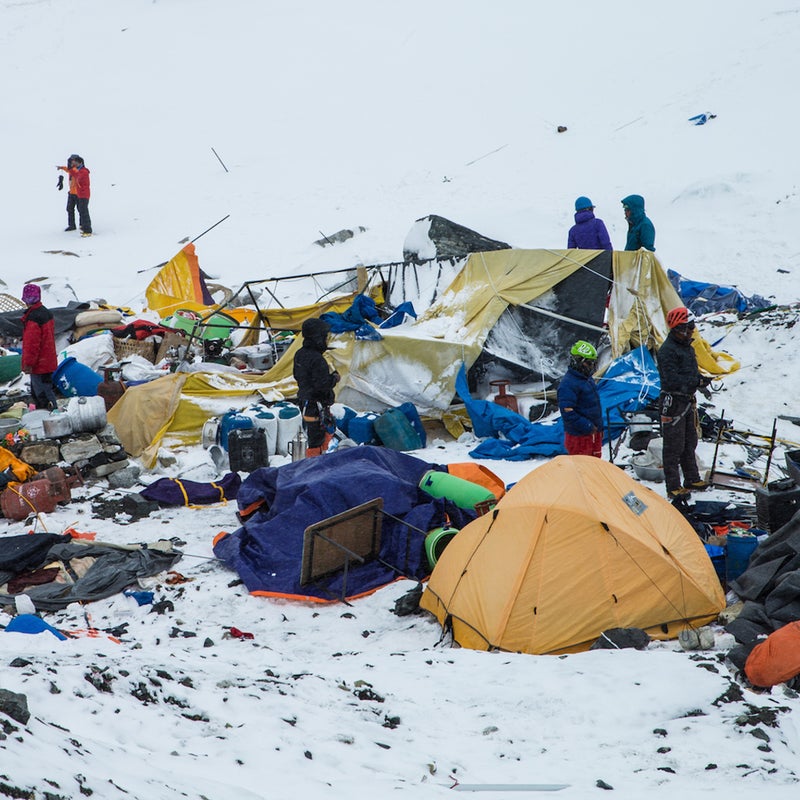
point(681, 491)
point(696, 486)
point(86, 233)
point(73, 228)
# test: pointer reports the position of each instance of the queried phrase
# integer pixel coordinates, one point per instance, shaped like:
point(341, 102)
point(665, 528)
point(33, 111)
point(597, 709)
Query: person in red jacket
point(79, 193)
point(39, 358)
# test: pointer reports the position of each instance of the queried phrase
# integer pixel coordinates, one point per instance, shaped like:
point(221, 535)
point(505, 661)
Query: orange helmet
point(679, 316)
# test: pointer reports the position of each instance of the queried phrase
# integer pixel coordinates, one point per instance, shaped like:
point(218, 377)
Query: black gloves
point(60, 182)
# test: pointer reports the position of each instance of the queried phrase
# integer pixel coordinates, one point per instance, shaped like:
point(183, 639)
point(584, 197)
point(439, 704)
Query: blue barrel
point(74, 379)
point(361, 428)
point(396, 432)
point(232, 421)
point(739, 548)
point(717, 556)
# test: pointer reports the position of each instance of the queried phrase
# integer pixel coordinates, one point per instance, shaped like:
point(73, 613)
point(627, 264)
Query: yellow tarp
point(574, 548)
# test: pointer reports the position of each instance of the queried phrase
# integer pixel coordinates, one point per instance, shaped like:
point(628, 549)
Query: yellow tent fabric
point(177, 282)
point(573, 549)
point(641, 297)
point(21, 470)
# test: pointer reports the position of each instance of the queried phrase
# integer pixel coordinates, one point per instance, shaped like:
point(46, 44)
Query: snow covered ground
point(330, 116)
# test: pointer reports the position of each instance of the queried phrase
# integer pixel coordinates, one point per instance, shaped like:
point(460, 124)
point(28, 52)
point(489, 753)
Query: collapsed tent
point(267, 551)
point(56, 570)
point(573, 549)
point(518, 307)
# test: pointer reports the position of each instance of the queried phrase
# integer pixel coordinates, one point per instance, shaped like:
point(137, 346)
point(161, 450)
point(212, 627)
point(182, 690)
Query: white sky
point(332, 116)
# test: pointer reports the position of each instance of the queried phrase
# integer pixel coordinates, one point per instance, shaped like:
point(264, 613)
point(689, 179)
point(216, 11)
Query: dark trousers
point(42, 391)
point(679, 429)
point(82, 204)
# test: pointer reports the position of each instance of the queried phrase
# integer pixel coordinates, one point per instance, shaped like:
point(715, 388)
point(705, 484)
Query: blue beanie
point(583, 202)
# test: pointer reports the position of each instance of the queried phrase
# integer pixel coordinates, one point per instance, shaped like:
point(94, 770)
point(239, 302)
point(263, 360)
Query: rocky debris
point(449, 240)
point(14, 705)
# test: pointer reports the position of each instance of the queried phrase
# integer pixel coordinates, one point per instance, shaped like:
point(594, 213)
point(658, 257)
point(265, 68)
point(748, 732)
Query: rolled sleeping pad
point(435, 543)
point(464, 494)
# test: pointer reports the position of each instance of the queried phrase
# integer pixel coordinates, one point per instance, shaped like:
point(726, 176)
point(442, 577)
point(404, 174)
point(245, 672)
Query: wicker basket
point(133, 347)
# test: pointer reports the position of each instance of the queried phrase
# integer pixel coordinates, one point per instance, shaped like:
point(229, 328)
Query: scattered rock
point(14, 705)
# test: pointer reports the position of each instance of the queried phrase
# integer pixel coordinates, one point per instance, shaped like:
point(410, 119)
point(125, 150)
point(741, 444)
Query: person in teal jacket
point(641, 232)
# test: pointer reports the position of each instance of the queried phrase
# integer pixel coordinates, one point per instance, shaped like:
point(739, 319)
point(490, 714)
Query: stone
point(102, 470)
point(41, 454)
point(81, 449)
point(445, 239)
point(14, 705)
point(125, 478)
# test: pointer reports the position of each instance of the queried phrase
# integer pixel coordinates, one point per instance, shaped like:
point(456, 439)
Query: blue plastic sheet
point(630, 384)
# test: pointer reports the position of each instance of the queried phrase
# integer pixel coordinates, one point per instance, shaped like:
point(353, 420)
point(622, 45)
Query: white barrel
point(88, 414)
point(267, 420)
point(289, 423)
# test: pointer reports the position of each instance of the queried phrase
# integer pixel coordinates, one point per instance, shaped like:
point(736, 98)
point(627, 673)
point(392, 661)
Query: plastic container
point(361, 428)
point(247, 449)
point(396, 432)
point(435, 543)
point(74, 379)
point(738, 549)
point(343, 414)
point(410, 410)
point(10, 367)
point(289, 423)
point(717, 556)
point(33, 422)
point(464, 494)
point(210, 434)
point(233, 420)
point(267, 420)
point(87, 414)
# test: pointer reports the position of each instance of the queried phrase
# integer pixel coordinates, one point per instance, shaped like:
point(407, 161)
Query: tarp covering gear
point(705, 298)
point(267, 550)
point(574, 548)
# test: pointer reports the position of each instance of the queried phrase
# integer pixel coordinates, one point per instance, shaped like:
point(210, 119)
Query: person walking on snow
point(588, 232)
point(315, 382)
point(79, 193)
point(39, 358)
point(680, 379)
point(579, 403)
point(641, 232)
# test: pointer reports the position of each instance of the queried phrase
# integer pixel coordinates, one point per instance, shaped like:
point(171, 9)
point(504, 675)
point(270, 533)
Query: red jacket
point(78, 181)
point(38, 341)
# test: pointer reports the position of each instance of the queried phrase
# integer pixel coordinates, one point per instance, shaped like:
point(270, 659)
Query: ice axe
point(164, 263)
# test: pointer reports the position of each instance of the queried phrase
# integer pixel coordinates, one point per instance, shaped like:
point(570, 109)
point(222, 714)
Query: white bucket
point(268, 422)
point(289, 423)
point(210, 434)
point(88, 414)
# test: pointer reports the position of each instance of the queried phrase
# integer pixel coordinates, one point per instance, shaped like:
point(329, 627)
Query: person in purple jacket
point(588, 232)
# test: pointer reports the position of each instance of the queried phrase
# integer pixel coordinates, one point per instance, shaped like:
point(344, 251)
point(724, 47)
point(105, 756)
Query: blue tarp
point(703, 298)
point(628, 385)
point(267, 550)
point(362, 311)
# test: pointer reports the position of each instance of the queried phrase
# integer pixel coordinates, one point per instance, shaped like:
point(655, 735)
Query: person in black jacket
point(680, 379)
point(315, 382)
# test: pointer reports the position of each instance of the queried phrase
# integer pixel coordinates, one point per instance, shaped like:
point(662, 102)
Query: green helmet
point(583, 349)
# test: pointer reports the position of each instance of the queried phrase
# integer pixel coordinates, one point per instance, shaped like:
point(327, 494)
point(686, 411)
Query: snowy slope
point(331, 116)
